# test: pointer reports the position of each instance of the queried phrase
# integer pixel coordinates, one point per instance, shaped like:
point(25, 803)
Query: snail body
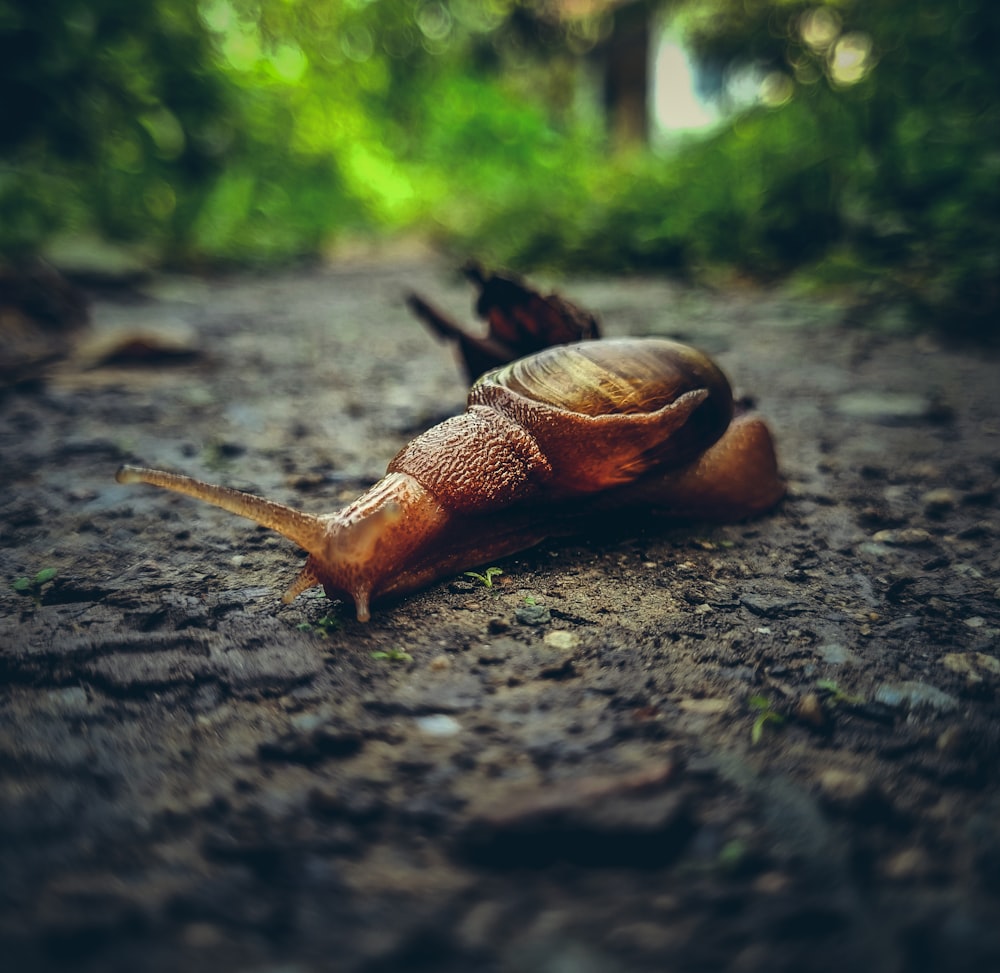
point(546, 443)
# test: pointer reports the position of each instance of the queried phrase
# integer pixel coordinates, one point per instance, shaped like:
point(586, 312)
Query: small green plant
point(32, 587)
point(733, 855)
point(530, 600)
point(767, 715)
point(393, 655)
point(836, 695)
point(322, 626)
point(486, 577)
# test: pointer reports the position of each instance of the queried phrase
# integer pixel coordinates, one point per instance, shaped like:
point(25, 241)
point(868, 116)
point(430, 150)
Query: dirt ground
point(762, 747)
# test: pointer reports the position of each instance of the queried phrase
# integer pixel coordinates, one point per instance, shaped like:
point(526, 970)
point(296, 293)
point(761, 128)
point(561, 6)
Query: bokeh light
point(851, 58)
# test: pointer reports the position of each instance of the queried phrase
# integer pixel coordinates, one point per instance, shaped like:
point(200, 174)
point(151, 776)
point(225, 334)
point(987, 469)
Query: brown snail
point(546, 443)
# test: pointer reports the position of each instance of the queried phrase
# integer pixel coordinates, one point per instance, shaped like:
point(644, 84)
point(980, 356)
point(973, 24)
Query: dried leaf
point(520, 321)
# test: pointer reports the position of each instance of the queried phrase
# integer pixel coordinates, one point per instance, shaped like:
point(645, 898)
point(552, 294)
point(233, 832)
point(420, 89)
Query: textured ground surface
point(764, 747)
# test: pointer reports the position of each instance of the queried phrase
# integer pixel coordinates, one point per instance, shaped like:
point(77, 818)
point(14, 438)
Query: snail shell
point(545, 443)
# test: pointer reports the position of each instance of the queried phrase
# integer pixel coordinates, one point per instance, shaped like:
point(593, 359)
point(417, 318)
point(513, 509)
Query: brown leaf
point(520, 321)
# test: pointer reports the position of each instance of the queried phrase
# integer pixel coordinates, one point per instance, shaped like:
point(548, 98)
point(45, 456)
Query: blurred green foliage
point(259, 130)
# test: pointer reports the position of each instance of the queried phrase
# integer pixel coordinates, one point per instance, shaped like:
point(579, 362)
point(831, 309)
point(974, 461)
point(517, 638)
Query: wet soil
point(765, 746)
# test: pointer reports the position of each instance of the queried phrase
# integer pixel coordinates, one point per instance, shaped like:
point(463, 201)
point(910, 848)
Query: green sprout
point(766, 715)
point(486, 577)
point(322, 626)
point(32, 587)
point(836, 695)
point(733, 855)
point(393, 655)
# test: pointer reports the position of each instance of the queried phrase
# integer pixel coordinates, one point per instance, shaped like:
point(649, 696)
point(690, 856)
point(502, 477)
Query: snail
point(547, 444)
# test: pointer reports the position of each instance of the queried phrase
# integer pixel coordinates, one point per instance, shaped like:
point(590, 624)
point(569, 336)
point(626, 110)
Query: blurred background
point(849, 142)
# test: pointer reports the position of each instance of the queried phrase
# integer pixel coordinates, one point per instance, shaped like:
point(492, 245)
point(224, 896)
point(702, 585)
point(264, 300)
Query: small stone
point(884, 407)
point(637, 818)
point(560, 638)
point(835, 654)
point(975, 666)
point(498, 652)
point(771, 883)
point(914, 695)
point(706, 707)
point(440, 663)
point(938, 502)
point(904, 537)
point(533, 614)
point(151, 343)
point(307, 722)
point(977, 621)
point(873, 550)
point(954, 741)
point(846, 788)
point(439, 725)
point(910, 863)
point(72, 699)
point(771, 607)
point(810, 710)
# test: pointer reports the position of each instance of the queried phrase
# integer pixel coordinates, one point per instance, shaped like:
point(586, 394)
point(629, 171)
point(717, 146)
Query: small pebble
point(872, 549)
point(938, 502)
point(810, 710)
point(71, 699)
point(889, 407)
point(914, 694)
point(953, 741)
point(439, 725)
point(910, 863)
point(533, 614)
point(835, 654)
point(844, 787)
point(904, 537)
point(707, 706)
point(440, 663)
point(771, 883)
point(307, 722)
point(561, 639)
point(975, 666)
